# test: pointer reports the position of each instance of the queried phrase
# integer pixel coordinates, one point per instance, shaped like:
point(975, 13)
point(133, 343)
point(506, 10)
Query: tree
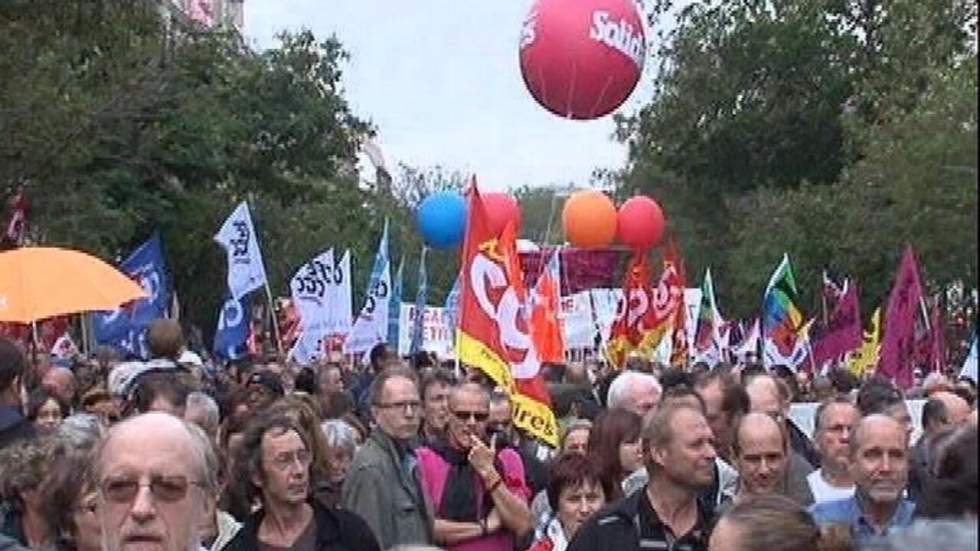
point(761, 114)
point(123, 122)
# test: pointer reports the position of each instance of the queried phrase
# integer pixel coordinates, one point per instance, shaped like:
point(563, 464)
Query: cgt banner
point(437, 333)
point(494, 334)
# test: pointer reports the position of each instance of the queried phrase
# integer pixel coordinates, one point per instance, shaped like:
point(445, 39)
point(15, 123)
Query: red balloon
point(581, 59)
point(501, 208)
point(640, 223)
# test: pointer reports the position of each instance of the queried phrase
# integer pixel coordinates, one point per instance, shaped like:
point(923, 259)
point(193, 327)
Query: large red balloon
point(640, 223)
point(589, 219)
point(581, 59)
point(501, 208)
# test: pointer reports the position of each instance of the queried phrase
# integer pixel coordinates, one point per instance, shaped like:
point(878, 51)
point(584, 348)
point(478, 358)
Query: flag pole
point(272, 315)
point(85, 347)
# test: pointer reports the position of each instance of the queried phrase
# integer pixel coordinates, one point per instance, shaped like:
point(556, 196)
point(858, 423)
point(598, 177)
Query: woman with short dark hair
point(46, 410)
point(575, 493)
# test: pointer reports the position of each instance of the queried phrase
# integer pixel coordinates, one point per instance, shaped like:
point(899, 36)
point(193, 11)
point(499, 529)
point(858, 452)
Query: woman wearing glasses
point(479, 494)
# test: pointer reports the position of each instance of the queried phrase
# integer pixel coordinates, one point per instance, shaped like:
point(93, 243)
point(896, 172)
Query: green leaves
point(834, 130)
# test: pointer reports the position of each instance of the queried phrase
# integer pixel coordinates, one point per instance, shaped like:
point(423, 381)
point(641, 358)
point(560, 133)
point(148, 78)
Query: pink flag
point(898, 346)
point(842, 333)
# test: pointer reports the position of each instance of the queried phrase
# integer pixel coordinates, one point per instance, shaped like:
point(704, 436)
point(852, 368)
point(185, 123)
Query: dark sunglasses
point(167, 489)
point(478, 416)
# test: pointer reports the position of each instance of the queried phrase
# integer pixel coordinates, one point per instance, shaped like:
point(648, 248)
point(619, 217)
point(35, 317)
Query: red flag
point(665, 300)
point(17, 227)
point(679, 350)
point(898, 346)
point(842, 333)
point(493, 330)
point(546, 329)
point(625, 334)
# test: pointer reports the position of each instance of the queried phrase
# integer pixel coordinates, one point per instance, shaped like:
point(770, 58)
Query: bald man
point(156, 476)
point(957, 410)
point(60, 381)
point(769, 396)
point(762, 456)
point(879, 459)
point(943, 411)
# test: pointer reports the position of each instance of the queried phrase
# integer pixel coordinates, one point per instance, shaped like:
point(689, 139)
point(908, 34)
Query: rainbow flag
point(782, 320)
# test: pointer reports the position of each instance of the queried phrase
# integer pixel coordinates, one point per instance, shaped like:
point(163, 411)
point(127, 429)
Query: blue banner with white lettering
point(124, 326)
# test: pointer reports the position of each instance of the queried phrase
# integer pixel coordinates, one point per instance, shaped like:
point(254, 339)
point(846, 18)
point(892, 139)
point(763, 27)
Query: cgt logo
point(488, 278)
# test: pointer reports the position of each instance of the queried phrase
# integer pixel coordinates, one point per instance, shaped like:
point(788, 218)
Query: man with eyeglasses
point(383, 483)
point(275, 469)
point(156, 476)
point(479, 494)
point(835, 421)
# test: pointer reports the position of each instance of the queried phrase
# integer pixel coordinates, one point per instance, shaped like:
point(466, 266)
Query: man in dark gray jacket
point(383, 484)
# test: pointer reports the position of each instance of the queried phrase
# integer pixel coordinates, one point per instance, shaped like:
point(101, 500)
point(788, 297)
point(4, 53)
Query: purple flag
point(842, 333)
point(581, 269)
point(898, 344)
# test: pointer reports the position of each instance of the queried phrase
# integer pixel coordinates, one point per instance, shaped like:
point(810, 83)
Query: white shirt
point(823, 491)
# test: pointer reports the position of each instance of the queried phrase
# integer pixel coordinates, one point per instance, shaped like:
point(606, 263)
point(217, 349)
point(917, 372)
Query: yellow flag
point(866, 357)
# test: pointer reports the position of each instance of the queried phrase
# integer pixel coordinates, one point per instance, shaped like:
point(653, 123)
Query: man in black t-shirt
point(666, 514)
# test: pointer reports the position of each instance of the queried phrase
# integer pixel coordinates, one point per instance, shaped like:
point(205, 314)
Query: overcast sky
point(441, 82)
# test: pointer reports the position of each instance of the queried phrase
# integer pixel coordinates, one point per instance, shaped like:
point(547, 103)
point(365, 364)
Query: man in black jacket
point(666, 514)
point(13, 425)
point(277, 470)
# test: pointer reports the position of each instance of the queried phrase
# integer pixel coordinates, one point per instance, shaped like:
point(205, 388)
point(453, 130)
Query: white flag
point(310, 288)
point(307, 349)
point(340, 298)
point(246, 272)
point(371, 326)
point(969, 369)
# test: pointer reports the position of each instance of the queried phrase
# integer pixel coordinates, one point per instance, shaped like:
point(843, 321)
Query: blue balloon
point(442, 219)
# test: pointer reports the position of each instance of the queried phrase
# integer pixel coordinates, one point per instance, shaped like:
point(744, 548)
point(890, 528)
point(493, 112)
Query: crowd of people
point(391, 453)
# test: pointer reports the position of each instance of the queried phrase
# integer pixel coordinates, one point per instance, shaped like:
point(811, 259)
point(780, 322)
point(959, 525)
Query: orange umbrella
point(41, 282)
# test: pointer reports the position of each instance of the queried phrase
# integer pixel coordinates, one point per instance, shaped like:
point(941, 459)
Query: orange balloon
point(589, 219)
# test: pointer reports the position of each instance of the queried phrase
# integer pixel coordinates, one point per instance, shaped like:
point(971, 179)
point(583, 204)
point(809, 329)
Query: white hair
point(948, 535)
point(209, 413)
point(619, 393)
point(339, 434)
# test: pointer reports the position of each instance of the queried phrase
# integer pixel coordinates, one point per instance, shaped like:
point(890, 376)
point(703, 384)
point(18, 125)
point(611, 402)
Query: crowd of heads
point(111, 454)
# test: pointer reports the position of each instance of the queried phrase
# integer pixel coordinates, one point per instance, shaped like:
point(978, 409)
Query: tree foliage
point(822, 128)
point(122, 121)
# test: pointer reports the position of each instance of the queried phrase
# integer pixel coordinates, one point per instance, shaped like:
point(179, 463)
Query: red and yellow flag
point(665, 301)
point(494, 333)
point(626, 332)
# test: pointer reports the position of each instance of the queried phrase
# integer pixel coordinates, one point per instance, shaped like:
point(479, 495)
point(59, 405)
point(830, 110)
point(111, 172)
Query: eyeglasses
point(168, 489)
point(404, 406)
point(478, 416)
point(285, 460)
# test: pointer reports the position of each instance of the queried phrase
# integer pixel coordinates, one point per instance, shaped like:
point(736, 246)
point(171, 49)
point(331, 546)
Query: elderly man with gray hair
point(156, 475)
point(634, 391)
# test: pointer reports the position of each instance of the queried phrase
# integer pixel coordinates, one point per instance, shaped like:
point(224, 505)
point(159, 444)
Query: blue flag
point(372, 324)
point(124, 327)
point(420, 298)
point(452, 305)
point(395, 305)
point(234, 323)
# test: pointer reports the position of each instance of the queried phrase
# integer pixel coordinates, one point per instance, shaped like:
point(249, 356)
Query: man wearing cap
point(263, 388)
